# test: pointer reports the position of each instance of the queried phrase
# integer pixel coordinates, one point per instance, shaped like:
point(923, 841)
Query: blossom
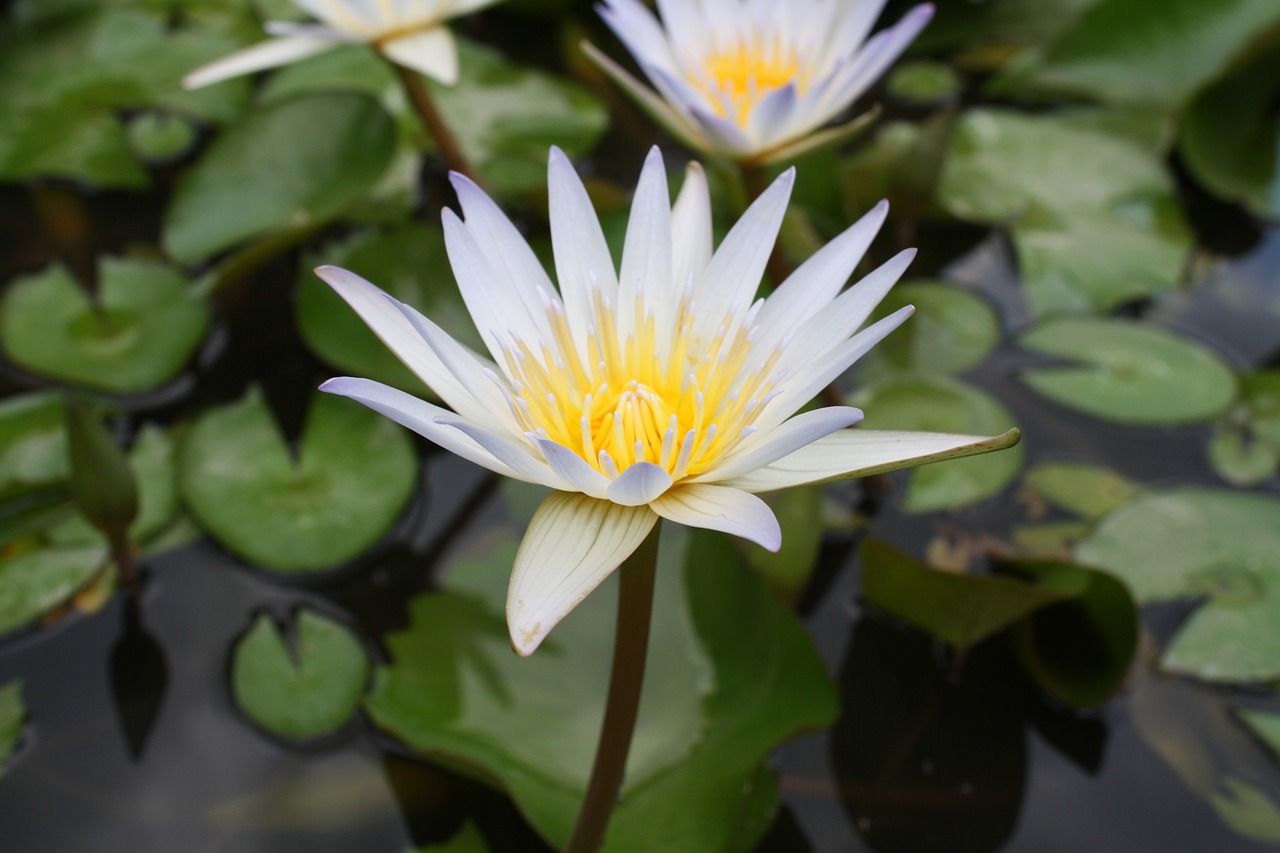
point(411, 33)
point(660, 389)
point(752, 79)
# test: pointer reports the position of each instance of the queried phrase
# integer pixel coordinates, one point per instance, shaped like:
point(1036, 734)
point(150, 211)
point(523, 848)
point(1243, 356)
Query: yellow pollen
point(742, 75)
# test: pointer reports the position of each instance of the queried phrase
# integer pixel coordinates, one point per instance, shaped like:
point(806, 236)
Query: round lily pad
point(289, 166)
point(1217, 544)
point(306, 692)
point(1088, 491)
point(144, 328)
point(33, 444)
point(32, 583)
point(939, 404)
point(951, 331)
point(408, 262)
point(353, 473)
point(1129, 373)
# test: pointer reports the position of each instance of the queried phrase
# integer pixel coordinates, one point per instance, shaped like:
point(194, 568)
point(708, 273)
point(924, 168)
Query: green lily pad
point(465, 840)
point(1222, 545)
point(286, 167)
point(716, 697)
point(353, 474)
point(951, 331)
point(1264, 724)
point(12, 715)
point(1088, 238)
point(1261, 394)
point(939, 404)
point(32, 583)
point(1089, 491)
point(157, 137)
point(304, 693)
point(1130, 51)
point(1240, 459)
point(799, 514)
point(923, 83)
point(504, 116)
point(1129, 373)
point(33, 444)
point(410, 263)
point(145, 326)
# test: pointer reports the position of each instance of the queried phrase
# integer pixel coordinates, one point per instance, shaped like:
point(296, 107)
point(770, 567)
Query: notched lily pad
point(1220, 545)
point(303, 692)
point(12, 715)
point(139, 332)
point(939, 404)
point(1129, 373)
point(287, 167)
point(353, 474)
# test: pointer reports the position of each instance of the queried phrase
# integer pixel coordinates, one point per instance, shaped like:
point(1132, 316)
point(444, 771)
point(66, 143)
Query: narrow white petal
point(639, 30)
point(646, 254)
point(419, 416)
point(268, 54)
point(639, 484)
point(431, 52)
point(774, 115)
point(574, 470)
point(804, 429)
point(516, 456)
point(659, 110)
point(572, 543)
point(726, 136)
point(862, 452)
point(691, 233)
point(729, 510)
point(582, 255)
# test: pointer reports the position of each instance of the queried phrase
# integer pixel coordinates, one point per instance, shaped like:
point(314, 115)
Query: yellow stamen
point(736, 79)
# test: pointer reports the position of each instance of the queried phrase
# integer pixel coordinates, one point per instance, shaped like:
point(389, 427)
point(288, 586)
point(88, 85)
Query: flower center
point(740, 76)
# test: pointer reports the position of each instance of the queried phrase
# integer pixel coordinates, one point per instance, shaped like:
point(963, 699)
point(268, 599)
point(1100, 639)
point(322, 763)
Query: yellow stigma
point(630, 400)
point(746, 72)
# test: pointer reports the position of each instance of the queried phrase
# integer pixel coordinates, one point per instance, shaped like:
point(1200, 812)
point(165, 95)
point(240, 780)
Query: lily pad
point(1089, 491)
point(1241, 459)
point(1261, 394)
point(353, 473)
point(799, 514)
point(286, 167)
point(1264, 724)
point(304, 693)
point(143, 327)
point(951, 331)
point(1192, 542)
point(409, 262)
point(716, 697)
point(32, 583)
point(465, 840)
point(33, 444)
point(12, 715)
point(1129, 373)
point(939, 404)
point(1088, 238)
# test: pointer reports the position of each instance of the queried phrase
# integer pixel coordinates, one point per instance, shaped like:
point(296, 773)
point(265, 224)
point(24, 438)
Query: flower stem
point(425, 106)
point(630, 647)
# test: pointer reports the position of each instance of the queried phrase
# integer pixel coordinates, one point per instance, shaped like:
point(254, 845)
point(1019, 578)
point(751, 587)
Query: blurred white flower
point(660, 389)
point(411, 33)
point(753, 79)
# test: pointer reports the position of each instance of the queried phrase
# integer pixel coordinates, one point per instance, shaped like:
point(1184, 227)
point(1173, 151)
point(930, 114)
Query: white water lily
point(411, 33)
point(663, 389)
point(753, 79)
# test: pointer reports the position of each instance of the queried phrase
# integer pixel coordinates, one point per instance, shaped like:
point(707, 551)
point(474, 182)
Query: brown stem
point(630, 647)
point(425, 106)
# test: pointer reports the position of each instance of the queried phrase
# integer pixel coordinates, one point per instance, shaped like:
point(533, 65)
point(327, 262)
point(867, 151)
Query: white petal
point(728, 510)
point(419, 416)
point(691, 227)
point(646, 253)
point(639, 31)
point(862, 452)
point(516, 456)
point(725, 135)
point(659, 110)
point(639, 484)
point(774, 115)
point(431, 52)
point(804, 429)
point(582, 255)
point(574, 470)
point(268, 54)
point(572, 543)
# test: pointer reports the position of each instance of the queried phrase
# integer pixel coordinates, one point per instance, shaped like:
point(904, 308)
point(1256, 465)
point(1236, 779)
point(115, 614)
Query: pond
point(1070, 643)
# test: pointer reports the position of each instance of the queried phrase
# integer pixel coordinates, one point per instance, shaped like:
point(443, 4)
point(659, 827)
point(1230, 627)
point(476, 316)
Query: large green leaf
point(1090, 208)
point(504, 116)
point(729, 675)
point(1138, 51)
point(352, 475)
point(1219, 544)
point(409, 262)
point(304, 693)
point(32, 583)
point(287, 167)
point(939, 404)
point(12, 715)
point(144, 327)
point(1129, 373)
point(951, 331)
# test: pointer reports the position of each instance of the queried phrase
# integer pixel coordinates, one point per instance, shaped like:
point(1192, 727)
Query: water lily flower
point(659, 389)
point(411, 33)
point(753, 79)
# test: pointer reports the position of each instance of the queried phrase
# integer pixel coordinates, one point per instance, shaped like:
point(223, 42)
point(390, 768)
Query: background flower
point(660, 389)
point(745, 78)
